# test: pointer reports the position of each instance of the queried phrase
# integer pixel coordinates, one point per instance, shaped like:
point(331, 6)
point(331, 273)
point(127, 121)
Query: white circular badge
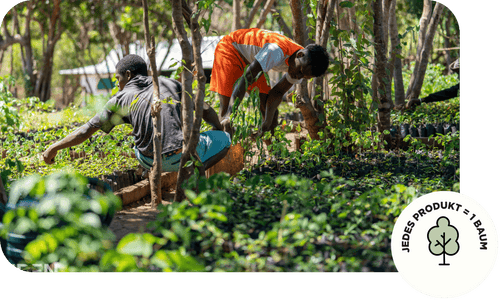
point(444, 244)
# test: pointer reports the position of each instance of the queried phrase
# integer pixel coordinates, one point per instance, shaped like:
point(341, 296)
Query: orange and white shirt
point(272, 50)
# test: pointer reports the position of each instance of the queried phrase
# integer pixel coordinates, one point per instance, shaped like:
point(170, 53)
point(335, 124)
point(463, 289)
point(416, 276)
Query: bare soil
point(134, 217)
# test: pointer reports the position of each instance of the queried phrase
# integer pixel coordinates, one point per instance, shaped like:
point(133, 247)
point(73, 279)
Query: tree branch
point(251, 15)
point(263, 16)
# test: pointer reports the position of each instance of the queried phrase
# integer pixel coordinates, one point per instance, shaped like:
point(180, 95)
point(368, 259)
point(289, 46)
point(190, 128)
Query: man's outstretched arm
point(248, 78)
point(75, 138)
point(273, 101)
point(210, 116)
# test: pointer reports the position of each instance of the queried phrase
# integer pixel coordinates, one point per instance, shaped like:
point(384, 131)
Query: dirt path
point(134, 217)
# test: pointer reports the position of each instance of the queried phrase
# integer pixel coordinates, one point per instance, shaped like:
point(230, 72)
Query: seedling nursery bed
point(257, 196)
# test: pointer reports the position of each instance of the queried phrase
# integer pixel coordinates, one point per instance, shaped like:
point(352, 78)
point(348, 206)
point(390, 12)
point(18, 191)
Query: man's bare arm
point(210, 116)
point(248, 78)
point(273, 101)
point(75, 138)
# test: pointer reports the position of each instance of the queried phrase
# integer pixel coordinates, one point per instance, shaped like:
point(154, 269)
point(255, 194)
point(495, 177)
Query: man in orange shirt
point(261, 51)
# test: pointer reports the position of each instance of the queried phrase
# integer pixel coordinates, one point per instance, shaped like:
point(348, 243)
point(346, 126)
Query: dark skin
point(299, 67)
point(84, 132)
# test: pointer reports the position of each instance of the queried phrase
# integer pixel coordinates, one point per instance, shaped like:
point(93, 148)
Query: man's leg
point(215, 159)
point(212, 147)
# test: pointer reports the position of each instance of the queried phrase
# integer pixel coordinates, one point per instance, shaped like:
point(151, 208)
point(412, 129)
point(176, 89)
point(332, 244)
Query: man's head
point(312, 61)
point(128, 67)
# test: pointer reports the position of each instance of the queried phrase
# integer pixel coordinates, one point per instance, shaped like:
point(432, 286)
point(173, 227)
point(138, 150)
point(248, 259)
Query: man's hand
point(226, 126)
point(75, 138)
point(413, 103)
point(266, 125)
point(49, 155)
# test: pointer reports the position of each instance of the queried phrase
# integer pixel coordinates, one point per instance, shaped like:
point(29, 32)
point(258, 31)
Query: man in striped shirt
point(243, 54)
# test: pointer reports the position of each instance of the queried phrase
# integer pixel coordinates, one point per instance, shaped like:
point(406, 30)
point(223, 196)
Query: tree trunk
point(384, 104)
point(424, 21)
point(279, 18)
point(200, 91)
point(27, 50)
point(1, 60)
point(103, 44)
point(42, 88)
point(236, 15)
point(386, 7)
point(251, 15)
point(93, 62)
point(447, 43)
point(386, 16)
point(155, 174)
point(418, 75)
point(170, 43)
point(7, 40)
point(325, 10)
point(187, 95)
point(399, 93)
point(265, 12)
point(3, 194)
point(79, 49)
point(120, 36)
point(303, 101)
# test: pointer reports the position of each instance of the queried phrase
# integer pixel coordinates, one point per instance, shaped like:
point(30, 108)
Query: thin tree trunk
point(200, 92)
point(419, 74)
point(1, 60)
point(384, 104)
point(424, 21)
point(27, 50)
point(386, 8)
point(284, 27)
point(303, 101)
point(399, 92)
point(236, 15)
point(155, 174)
point(385, 26)
point(265, 12)
point(253, 12)
point(447, 43)
point(92, 61)
point(187, 95)
point(170, 44)
point(82, 63)
point(3, 193)
point(103, 44)
point(42, 88)
point(12, 68)
point(325, 16)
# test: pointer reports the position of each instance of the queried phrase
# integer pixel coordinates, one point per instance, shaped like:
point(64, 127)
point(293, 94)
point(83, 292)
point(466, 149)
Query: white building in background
point(95, 79)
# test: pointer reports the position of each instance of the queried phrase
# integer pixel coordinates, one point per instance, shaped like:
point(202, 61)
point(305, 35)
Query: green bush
point(68, 220)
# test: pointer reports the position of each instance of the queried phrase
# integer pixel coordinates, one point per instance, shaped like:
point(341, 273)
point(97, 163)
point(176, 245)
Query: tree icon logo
point(443, 239)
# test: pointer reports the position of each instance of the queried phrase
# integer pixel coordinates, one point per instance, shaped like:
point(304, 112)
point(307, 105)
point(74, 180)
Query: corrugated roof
point(174, 55)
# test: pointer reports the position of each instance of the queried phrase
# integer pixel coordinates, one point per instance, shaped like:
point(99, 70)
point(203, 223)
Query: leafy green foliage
point(68, 220)
point(9, 117)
